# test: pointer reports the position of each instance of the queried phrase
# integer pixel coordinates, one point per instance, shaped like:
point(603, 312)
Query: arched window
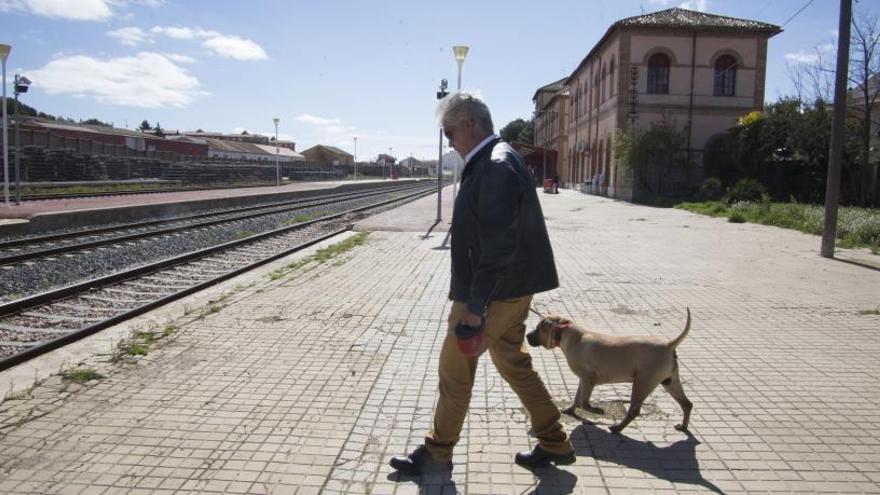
point(658, 74)
point(612, 91)
point(725, 76)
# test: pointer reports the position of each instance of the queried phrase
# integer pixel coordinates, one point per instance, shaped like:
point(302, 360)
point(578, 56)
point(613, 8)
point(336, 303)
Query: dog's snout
point(532, 338)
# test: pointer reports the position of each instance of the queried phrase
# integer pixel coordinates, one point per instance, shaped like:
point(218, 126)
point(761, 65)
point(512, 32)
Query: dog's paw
point(681, 428)
point(570, 410)
point(594, 410)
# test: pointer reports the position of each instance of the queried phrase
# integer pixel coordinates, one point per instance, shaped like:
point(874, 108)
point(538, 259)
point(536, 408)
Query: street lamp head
point(21, 84)
point(275, 120)
point(460, 52)
point(4, 51)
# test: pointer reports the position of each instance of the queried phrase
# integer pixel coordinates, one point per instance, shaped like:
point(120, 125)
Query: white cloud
point(147, 80)
point(221, 44)
point(181, 59)
point(74, 10)
point(700, 5)
point(811, 57)
point(802, 57)
point(129, 35)
point(235, 47)
point(315, 120)
point(178, 33)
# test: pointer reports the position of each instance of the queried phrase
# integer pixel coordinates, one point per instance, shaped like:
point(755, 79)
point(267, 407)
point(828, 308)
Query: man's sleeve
point(497, 213)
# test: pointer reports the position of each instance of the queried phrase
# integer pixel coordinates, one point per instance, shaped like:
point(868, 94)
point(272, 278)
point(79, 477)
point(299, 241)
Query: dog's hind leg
point(640, 391)
point(673, 386)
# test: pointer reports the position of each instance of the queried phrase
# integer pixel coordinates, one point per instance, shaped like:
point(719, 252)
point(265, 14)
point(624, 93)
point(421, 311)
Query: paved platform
point(308, 380)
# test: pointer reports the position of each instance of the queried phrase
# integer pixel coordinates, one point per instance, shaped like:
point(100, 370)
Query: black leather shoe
point(419, 462)
point(538, 457)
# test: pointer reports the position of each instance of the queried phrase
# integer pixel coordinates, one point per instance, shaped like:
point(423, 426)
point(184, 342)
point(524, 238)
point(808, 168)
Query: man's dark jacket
point(500, 247)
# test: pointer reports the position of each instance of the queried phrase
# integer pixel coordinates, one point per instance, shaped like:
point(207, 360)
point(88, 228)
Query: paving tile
point(310, 383)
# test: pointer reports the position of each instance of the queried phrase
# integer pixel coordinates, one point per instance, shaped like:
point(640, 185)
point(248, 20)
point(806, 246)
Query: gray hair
point(460, 106)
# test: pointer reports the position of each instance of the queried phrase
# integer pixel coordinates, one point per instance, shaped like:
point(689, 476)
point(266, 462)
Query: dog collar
point(557, 332)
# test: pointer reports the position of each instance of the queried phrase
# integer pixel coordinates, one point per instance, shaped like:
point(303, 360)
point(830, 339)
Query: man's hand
point(472, 320)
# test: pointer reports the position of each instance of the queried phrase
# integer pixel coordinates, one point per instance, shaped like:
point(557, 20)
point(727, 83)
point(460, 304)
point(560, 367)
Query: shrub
point(736, 218)
point(711, 190)
point(748, 190)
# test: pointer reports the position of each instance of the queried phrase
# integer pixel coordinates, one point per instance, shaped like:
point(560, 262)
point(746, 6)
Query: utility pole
point(832, 191)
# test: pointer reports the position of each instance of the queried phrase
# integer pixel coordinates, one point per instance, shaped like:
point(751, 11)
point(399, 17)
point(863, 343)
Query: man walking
point(501, 257)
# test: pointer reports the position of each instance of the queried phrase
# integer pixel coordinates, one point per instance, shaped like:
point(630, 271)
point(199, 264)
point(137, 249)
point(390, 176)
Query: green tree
point(145, 126)
point(518, 130)
point(650, 157)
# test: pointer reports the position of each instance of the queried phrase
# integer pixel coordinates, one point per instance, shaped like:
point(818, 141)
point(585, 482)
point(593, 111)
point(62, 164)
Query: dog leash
point(534, 311)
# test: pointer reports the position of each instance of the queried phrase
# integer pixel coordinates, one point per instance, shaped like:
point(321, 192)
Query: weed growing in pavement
point(81, 375)
point(133, 349)
point(213, 308)
point(873, 312)
point(168, 329)
point(330, 252)
point(322, 255)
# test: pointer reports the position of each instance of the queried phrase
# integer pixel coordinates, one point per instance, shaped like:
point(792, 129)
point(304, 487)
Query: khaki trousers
point(503, 335)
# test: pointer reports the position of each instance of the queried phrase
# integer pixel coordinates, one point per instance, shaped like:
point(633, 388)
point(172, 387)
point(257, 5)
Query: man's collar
point(478, 147)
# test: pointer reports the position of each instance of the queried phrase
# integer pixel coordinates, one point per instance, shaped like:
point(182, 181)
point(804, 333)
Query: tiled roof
point(683, 18)
point(678, 18)
point(332, 149)
point(552, 87)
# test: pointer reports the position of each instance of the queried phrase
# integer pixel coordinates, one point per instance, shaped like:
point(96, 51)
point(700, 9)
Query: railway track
point(36, 247)
point(39, 323)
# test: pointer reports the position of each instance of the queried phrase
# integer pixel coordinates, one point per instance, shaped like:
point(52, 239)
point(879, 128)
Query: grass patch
point(97, 188)
point(322, 255)
point(330, 252)
point(298, 219)
point(134, 349)
point(736, 218)
point(167, 330)
point(81, 375)
point(856, 227)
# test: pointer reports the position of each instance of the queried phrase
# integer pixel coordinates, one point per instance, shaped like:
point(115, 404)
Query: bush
point(710, 190)
point(746, 190)
point(736, 218)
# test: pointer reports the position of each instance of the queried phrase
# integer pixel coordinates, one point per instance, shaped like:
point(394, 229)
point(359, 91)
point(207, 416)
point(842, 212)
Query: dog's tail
point(687, 328)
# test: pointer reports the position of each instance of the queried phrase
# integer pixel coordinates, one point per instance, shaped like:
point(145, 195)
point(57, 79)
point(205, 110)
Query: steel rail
point(299, 204)
point(133, 225)
point(23, 304)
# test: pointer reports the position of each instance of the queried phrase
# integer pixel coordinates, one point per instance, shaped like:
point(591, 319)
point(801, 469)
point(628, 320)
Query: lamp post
point(440, 95)
point(277, 166)
point(460, 52)
point(355, 158)
point(390, 165)
point(4, 54)
point(19, 86)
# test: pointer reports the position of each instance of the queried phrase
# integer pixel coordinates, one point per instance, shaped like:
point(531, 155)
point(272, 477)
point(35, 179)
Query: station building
point(697, 71)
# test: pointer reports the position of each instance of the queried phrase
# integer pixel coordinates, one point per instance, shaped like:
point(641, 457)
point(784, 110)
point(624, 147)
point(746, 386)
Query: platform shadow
point(676, 462)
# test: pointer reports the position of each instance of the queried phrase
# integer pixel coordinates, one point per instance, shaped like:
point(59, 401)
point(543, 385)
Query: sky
point(334, 70)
